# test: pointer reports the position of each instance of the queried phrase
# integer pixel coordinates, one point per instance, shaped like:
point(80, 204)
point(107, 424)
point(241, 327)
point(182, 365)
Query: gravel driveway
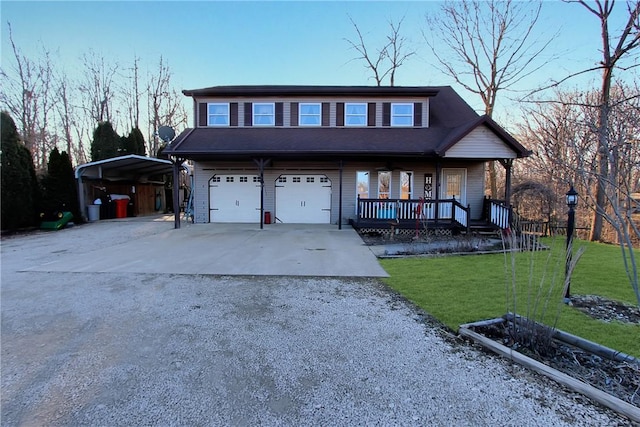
point(115, 348)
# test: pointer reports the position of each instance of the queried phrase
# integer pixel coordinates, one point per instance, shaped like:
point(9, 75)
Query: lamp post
point(572, 201)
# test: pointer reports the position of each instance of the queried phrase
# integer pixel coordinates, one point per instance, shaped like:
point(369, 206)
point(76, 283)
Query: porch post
point(507, 184)
point(177, 164)
point(436, 214)
point(340, 199)
point(261, 164)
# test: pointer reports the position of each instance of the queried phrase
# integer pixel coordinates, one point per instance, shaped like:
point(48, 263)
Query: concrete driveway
point(97, 329)
point(222, 249)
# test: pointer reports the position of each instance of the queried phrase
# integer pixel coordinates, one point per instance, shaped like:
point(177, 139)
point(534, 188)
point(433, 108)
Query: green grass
point(463, 289)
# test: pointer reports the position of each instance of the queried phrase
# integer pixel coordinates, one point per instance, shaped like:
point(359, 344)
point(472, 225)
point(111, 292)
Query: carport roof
point(132, 163)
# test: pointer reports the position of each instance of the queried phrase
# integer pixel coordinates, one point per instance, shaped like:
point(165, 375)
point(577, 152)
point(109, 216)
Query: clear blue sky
point(208, 43)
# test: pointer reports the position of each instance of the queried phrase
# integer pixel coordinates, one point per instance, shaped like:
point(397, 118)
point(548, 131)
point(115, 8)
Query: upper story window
point(355, 114)
point(402, 114)
point(264, 114)
point(218, 114)
point(309, 114)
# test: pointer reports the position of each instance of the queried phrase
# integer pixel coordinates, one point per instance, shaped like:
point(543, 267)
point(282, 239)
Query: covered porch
point(429, 214)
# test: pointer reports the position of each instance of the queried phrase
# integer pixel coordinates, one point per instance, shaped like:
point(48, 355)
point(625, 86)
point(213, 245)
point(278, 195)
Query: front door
point(454, 186)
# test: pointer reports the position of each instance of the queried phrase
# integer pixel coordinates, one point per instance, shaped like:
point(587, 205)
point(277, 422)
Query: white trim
point(319, 115)
point(397, 116)
point(209, 115)
point(346, 114)
point(411, 188)
point(272, 115)
point(390, 184)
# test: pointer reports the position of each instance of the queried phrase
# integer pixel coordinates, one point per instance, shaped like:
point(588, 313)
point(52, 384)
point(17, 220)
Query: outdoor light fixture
point(572, 202)
point(572, 198)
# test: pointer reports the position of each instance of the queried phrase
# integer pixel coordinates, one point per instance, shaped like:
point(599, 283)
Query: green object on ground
point(57, 225)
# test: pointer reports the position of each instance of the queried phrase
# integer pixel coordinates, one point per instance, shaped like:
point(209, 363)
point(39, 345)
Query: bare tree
point(164, 106)
point(386, 60)
point(487, 47)
point(65, 112)
point(565, 135)
point(27, 94)
point(613, 52)
point(132, 94)
point(98, 87)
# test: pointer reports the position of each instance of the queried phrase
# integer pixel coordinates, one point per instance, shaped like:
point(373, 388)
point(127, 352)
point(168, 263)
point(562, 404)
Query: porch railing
point(499, 214)
point(414, 209)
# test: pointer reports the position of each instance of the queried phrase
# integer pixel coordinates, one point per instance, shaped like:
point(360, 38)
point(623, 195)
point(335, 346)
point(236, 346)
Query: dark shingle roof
point(308, 141)
point(283, 91)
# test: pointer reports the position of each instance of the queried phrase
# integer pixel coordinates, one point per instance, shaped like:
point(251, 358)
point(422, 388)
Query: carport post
point(177, 164)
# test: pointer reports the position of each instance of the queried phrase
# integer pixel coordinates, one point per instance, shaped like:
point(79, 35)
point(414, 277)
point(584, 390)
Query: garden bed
point(604, 375)
point(409, 244)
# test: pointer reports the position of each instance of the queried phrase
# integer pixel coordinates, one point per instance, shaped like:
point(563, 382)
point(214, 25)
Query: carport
point(140, 178)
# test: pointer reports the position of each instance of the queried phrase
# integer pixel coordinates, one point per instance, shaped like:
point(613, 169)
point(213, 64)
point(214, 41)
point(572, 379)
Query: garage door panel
point(303, 199)
point(234, 198)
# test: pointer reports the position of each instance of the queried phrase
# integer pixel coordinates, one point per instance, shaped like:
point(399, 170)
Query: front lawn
point(463, 289)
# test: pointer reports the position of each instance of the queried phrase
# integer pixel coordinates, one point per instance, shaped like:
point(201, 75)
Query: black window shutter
point(279, 114)
point(417, 114)
point(248, 114)
point(233, 114)
point(340, 114)
point(202, 114)
point(371, 114)
point(326, 113)
point(294, 114)
point(386, 114)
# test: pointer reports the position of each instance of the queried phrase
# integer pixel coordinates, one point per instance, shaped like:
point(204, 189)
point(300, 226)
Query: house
point(369, 156)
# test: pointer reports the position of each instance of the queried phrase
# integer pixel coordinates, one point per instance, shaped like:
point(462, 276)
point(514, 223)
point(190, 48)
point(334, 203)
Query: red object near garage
point(267, 217)
point(121, 208)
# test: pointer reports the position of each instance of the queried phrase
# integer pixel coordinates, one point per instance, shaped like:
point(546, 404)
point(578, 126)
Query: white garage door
point(234, 198)
point(303, 199)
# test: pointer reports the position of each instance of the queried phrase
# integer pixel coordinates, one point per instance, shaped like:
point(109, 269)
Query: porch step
point(482, 227)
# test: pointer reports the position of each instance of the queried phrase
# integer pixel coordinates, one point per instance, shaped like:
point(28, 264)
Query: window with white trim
point(362, 184)
point(401, 114)
point(309, 114)
point(217, 114)
point(406, 185)
point(355, 114)
point(264, 114)
point(384, 185)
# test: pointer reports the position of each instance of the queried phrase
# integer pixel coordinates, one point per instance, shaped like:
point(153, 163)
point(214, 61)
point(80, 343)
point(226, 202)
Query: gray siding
point(481, 143)
point(203, 171)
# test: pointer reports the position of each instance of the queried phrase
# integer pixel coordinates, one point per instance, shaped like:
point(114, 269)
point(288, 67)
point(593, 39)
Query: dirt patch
point(606, 310)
